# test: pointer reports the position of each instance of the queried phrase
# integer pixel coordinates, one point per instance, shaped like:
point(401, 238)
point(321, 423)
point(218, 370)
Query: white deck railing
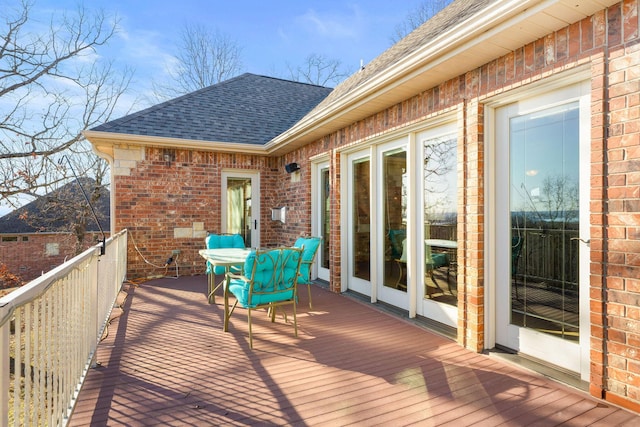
point(49, 331)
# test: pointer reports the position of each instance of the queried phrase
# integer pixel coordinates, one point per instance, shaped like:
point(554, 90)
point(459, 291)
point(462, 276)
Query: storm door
point(542, 251)
point(241, 205)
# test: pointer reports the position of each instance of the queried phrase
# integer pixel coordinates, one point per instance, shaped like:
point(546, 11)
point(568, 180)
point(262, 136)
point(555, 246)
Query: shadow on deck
point(166, 361)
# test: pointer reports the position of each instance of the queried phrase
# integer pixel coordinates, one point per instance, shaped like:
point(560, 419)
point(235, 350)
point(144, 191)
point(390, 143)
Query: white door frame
point(255, 201)
point(349, 281)
point(572, 356)
point(317, 210)
point(395, 297)
point(440, 312)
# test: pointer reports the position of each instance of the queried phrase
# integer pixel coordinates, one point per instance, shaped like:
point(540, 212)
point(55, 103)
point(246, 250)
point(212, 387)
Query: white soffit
point(504, 26)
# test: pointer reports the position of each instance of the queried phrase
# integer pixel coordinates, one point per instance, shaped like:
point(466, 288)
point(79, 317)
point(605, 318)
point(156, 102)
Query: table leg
point(225, 286)
point(210, 287)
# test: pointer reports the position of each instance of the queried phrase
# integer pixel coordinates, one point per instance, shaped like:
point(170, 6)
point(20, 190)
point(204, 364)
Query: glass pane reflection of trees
point(440, 195)
point(441, 218)
point(544, 181)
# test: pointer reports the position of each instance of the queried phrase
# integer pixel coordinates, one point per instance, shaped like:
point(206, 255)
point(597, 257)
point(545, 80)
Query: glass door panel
point(361, 236)
point(394, 271)
point(325, 223)
point(239, 208)
point(440, 219)
point(321, 220)
point(544, 213)
point(241, 205)
point(357, 239)
point(394, 182)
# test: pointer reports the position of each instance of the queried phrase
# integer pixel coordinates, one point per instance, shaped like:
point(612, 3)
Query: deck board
point(166, 361)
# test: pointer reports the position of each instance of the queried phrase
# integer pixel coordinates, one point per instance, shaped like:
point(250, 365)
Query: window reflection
point(395, 218)
point(441, 218)
point(544, 180)
point(326, 218)
point(362, 220)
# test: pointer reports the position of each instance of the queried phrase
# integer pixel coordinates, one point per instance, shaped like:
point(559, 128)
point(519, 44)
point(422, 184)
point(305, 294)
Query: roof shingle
point(247, 109)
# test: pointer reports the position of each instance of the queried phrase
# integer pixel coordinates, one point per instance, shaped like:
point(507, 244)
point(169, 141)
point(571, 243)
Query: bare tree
point(52, 86)
point(319, 70)
point(205, 58)
point(418, 16)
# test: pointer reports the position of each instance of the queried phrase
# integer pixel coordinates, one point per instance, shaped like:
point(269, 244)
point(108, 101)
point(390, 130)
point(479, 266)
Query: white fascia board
point(98, 138)
point(460, 38)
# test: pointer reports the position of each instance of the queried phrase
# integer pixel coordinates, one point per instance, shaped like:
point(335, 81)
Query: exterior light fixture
point(291, 167)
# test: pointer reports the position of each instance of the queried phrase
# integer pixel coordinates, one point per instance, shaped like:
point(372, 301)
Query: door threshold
point(541, 367)
point(441, 329)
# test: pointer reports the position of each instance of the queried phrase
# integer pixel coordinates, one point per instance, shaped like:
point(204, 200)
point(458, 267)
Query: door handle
point(255, 224)
point(586, 242)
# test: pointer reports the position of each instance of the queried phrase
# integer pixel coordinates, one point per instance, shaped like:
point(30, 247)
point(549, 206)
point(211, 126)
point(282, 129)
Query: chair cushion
point(438, 260)
point(240, 289)
point(396, 237)
point(270, 273)
point(217, 241)
point(310, 247)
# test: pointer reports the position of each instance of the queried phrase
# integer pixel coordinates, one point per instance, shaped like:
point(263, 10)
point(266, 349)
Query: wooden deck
point(166, 361)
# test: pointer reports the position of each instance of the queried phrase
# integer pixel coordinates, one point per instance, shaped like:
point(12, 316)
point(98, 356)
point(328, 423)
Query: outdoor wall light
point(291, 167)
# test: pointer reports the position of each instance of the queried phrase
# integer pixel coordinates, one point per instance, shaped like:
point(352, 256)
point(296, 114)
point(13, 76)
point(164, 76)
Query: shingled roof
point(248, 109)
point(44, 215)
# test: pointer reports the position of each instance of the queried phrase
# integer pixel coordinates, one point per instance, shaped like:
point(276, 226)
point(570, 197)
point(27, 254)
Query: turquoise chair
point(516, 249)
point(396, 237)
point(268, 281)
point(436, 260)
point(219, 241)
point(309, 246)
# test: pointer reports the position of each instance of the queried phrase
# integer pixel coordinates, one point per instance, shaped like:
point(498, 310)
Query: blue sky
point(271, 34)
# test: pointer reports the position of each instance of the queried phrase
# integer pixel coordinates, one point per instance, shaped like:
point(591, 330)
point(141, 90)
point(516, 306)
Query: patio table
point(227, 258)
point(442, 243)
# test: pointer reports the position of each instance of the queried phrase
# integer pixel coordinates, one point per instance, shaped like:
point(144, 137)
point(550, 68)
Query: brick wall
point(171, 205)
point(607, 43)
point(30, 255)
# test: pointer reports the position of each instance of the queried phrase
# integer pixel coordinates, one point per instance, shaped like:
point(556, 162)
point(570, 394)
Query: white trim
point(99, 139)
point(375, 218)
point(414, 167)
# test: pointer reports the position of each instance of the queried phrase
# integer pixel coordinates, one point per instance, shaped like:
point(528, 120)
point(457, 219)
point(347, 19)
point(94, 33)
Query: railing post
point(95, 338)
point(4, 373)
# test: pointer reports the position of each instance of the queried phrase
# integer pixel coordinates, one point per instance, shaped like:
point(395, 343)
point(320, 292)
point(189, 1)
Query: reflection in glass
point(361, 220)
point(441, 218)
point(395, 217)
point(239, 208)
point(544, 180)
point(325, 220)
